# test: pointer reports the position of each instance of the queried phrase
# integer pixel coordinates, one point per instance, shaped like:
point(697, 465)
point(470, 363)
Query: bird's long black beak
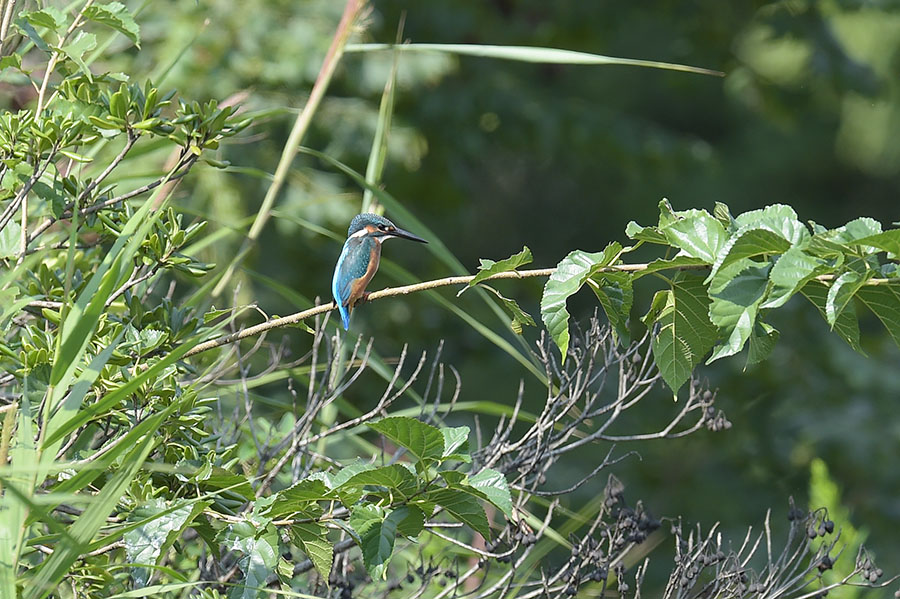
point(407, 235)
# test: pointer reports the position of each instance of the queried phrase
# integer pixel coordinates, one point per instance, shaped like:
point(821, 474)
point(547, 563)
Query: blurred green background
point(494, 155)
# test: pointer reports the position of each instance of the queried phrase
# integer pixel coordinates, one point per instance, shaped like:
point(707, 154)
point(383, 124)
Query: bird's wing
point(345, 273)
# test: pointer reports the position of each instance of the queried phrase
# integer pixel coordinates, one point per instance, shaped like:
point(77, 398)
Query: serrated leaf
point(348, 471)
point(762, 341)
point(49, 17)
point(856, 229)
point(749, 243)
point(313, 538)
point(494, 486)
point(462, 506)
point(697, 234)
point(489, 267)
point(846, 325)
point(685, 333)
point(790, 273)
point(779, 219)
point(615, 293)
point(456, 443)
point(395, 477)
point(884, 302)
point(648, 234)
point(422, 440)
point(734, 306)
point(377, 531)
point(78, 47)
point(300, 497)
point(118, 17)
point(570, 274)
point(841, 293)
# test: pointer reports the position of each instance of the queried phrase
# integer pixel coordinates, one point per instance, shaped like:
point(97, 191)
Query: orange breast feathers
point(359, 285)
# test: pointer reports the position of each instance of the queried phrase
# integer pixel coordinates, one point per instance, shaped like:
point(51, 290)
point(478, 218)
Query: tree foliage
point(128, 468)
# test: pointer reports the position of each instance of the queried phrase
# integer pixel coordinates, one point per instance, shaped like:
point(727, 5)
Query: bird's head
point(378, 228)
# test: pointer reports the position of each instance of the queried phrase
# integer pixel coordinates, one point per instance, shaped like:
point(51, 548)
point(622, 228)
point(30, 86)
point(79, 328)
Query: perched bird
point(359, 259)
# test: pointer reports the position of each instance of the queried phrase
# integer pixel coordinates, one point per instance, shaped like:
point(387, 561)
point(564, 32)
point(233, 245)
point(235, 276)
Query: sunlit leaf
point(117, 16)
point(422, 440)
point(313, 538)
point(570, 274)
point(734, 306)
point(489, 267)
point(494, 486)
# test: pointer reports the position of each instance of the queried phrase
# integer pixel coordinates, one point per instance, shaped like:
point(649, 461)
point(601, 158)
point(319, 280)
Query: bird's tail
point(345, 316)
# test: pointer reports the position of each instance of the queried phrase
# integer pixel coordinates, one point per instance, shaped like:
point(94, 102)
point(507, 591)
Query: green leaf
point(80, 533)
point(888, 241)
point(519, 316)
point(260, 557)
point(855, 230)
point(149, 542)
point(749, 243)
point(422, 440)
point(118, 17)
point(735, 304)
point(13, 61)
point(495, 488)
point(685, 333)
point(777, 218)
point(10, 239)
point(884, 302)
point(28, 29)
point(615, 293)
point(489, 267)
point(395, 477)
point(648, 234)
point(300, 497)
point(841, 293)
point(48, 17)
point(846, 325)
point(345, 473)
point(696, 233)
point(377, 531)
point(456, 443)
point(462, 506)
point(313, 537)
point(527, 54)
point(791, 272)
point(413, 523)
point(722, 213)
point(570, 274)
point(762, 341)
point(78, 47)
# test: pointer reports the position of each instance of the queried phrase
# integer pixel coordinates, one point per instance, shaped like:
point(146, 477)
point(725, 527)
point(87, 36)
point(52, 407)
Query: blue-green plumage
point(359, 259)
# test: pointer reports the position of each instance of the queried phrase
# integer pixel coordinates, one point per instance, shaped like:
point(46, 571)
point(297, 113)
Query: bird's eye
point(383, 227)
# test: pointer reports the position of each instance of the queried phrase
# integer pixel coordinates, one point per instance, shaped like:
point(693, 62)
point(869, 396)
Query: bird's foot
point(364, 297)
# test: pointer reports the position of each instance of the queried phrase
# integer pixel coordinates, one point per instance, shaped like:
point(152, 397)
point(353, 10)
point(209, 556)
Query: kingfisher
point(359, 259)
